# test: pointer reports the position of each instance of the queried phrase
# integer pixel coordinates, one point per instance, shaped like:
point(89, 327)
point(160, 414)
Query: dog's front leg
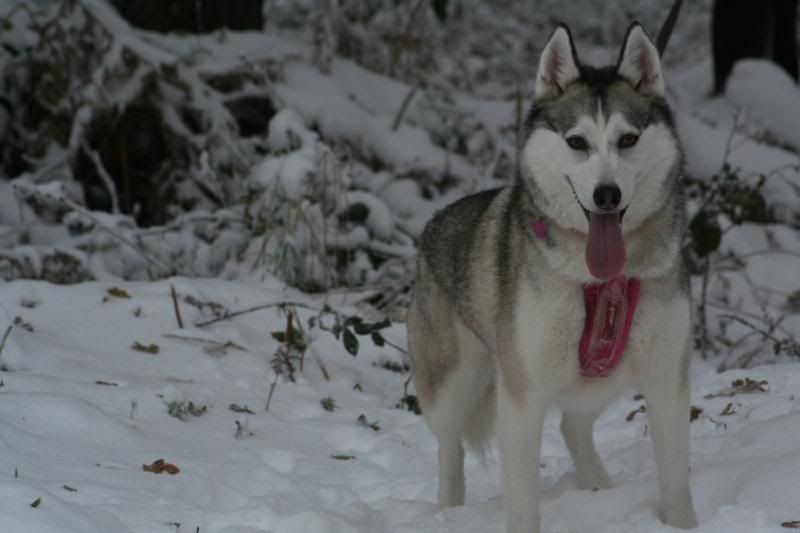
point(520, 420)
point(668, 414)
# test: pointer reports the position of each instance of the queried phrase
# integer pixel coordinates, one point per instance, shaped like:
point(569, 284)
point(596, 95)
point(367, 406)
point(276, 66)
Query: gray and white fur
point(497, 314)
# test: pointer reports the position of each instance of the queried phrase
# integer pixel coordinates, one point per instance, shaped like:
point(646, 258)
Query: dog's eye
point(627, 140)
point(576, 142)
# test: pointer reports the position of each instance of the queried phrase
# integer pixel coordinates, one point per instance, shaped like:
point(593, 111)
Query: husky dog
point(499, 319)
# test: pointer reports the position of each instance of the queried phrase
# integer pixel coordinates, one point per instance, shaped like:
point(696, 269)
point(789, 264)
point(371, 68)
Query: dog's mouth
point(605, 247)
point(586, 212)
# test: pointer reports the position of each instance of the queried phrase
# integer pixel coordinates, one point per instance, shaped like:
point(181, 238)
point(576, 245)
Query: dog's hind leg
point(459, 412)
point(452, 372)
point(577, 429)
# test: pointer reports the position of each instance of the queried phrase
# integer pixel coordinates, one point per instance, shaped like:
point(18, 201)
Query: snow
point(79, 409)
point(777, 108)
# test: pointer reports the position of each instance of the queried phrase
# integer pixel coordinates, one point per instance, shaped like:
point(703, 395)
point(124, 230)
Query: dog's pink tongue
point(605, 251)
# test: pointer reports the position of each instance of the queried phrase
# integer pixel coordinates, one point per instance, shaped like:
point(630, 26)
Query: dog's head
point(600, 144)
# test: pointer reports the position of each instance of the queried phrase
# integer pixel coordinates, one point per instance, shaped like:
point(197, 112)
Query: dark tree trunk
point(192, 16)
point(750, 28)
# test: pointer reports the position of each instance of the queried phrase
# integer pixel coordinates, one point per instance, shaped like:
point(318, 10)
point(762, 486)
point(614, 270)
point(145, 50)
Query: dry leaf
point(694, 413)
point(150, 348)
point(36, 503)
point(159, 466)
point(741, 386)
point(69, 489)
point(792, 524)
point(632, 414)
point(362, 421)
point(236, 408)
point(343, 457)
point(728, 411)
point(22, 324)
point(118, 293)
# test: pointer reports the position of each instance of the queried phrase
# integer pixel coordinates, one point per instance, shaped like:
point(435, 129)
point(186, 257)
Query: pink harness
point(609, 314)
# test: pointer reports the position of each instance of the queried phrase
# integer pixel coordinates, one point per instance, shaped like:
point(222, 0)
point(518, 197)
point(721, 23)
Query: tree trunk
point(748, 28)
point(192, 16)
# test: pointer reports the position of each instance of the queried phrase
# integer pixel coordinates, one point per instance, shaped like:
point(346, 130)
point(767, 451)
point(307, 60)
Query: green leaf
point(279, 336)
point(362, 328)
point(350, 342)
point(329, 404)
point(385, 323)
point(706, 233)
point(377, 338)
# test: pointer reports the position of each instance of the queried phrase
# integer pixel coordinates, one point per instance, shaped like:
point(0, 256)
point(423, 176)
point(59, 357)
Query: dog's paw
point(682, 518)
point(597, 479)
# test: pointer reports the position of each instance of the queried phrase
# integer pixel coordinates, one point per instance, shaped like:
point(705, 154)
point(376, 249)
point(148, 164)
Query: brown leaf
point(741, 386)
point(236, 408)
point(728, 411)
point(36, 503)
point(362, 421)
point(792, 524)
point(69, 489)
point(149, 348)
point(106, 383)
point(694, 413)
point(343, 457)
point(116, 292)
point(632, 414)
point(22, 324)
point(159, 466)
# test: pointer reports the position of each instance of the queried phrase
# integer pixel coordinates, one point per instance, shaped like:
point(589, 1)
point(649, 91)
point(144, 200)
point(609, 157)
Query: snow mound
point(769, 96)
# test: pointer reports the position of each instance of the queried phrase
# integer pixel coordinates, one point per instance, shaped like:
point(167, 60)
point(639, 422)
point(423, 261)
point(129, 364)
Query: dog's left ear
point(639, 62)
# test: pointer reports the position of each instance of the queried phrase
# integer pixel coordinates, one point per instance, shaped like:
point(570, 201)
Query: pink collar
point(609, 314)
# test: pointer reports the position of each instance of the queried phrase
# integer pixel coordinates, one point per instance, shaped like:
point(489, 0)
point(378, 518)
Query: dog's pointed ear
point(558, 65)
point(639, 62)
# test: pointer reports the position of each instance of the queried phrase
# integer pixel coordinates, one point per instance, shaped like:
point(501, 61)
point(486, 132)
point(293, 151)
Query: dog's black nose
point(607, 197)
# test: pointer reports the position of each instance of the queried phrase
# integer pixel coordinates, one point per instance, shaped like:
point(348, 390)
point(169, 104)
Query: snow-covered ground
point(81, 412)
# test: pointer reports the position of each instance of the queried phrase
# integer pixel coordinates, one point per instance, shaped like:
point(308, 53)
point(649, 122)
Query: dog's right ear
point(558, 65)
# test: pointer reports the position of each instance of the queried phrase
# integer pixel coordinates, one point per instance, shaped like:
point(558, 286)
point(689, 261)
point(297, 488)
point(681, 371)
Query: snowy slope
point(81, 413)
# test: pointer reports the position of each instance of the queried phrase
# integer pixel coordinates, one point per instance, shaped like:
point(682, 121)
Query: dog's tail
point(480, 425)
point(666, 29)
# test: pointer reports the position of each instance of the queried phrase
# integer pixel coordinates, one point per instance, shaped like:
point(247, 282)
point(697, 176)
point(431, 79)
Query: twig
point(518, 115)
point(272, 390)
point(395, 346)
point(322, 368)
point(703, 319)
point(407, 383)
point(5, 336)
point(213, 344)
point(234, 314)
point(88, 214)
point(404, 106)
point(175, 306)
point(103, 175)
